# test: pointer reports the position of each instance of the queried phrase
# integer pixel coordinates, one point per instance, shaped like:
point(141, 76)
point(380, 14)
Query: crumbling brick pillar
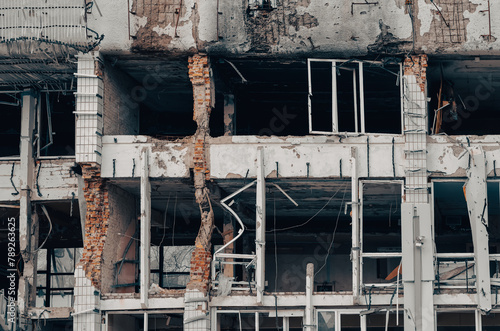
point(96, 222)
point(196, 313)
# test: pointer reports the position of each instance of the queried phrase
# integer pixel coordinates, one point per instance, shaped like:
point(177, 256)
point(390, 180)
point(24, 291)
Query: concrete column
point(355, 250)
point(309, 313)
point(229, 115)
point(416, 212)
point(27, 241)
point(476, 194)
point(260, 236)
point(145, 227)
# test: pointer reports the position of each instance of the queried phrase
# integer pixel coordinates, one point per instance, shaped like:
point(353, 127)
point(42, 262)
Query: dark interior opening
point(452, 226)
point(62, 121)
point(468, 95)
point(164, 93)
point(316, 231)
point(321, 98)
point(59, 251)
point(382, 98)
point(10, 125)
point(270, 97)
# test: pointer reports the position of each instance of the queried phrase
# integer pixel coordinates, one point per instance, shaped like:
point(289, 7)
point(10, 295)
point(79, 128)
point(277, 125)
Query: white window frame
point(338, 317)
point(361, 122)
point(377, 255)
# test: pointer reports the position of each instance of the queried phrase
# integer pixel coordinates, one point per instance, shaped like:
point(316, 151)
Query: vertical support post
point(355, 93)
point(401, 92)
point(260, 236)
point(286, 323)
point(335, 115)
point(146, 321)
point(408, 265)
point(309, 94)
point(309, 313)
point(257, 321)
point(27, 238)
point(363, 322)
point(362, 97)
point(476, 195)
point(229, 115)
point(356, 247)
point(478, 320)
point(145, 227)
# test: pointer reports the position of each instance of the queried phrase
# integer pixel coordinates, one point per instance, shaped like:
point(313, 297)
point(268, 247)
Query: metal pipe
point(223, 203)
point(286, 195)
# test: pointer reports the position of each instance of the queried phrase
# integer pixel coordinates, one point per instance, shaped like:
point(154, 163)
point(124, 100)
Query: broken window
point(230, 320)
point(264, 98)
point(132, 322)
point(10, 126)
point(455, 265)
point(381, 223)
point(56, 124)
point(353, 96)
point(55, 276)
point(170, 265)
point(261, 4)
point(377, 320)
point(338, 320)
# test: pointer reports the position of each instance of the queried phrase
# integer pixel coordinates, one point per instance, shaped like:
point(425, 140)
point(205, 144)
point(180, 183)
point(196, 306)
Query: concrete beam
point(145, 227)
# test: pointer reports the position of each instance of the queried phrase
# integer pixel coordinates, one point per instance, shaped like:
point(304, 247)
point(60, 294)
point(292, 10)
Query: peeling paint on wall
point(162, 25)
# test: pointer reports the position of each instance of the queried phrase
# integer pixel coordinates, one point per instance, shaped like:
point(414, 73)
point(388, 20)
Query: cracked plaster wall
point(296, 27)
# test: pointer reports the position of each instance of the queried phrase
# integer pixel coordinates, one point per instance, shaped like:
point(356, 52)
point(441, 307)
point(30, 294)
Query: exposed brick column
point(196, 312)
point(200, 260)
point(96, 222)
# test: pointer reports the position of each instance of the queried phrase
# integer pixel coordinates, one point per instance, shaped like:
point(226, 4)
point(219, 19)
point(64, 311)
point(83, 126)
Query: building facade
point(250, 165)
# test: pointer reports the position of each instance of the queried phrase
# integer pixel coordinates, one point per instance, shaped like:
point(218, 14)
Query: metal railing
point(245, 261)
point(4, 314)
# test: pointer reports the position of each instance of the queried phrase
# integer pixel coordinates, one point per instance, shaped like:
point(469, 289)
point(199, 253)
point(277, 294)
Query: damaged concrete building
point(250, 165)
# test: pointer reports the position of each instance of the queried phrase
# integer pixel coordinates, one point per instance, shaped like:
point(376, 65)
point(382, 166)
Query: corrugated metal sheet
point(17, 73)
point(55, 22)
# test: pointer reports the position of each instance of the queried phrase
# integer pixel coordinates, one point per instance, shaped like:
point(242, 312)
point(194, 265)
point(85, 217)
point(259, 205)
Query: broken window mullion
point(309, 95)
point(362, 97)
point(335, 116)
point(355, 90)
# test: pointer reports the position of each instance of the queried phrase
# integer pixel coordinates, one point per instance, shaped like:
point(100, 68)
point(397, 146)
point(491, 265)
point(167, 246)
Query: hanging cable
point(36, 181)
point(50, 228)
point(311, 218)
point(173, 224)
point(333, 235)
point(165, 221)
point(11, 181)
point(71, 206)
